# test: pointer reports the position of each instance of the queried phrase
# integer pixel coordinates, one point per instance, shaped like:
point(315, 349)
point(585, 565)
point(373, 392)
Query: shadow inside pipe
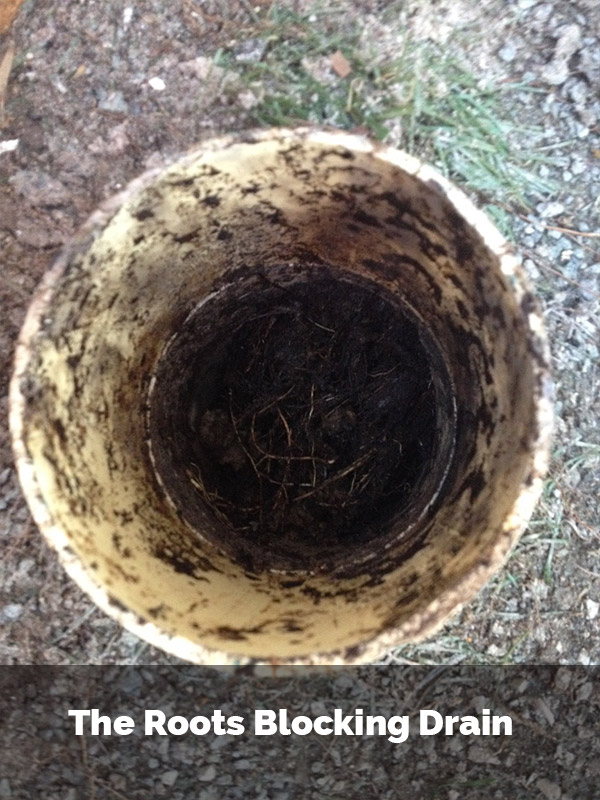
point(299, 419)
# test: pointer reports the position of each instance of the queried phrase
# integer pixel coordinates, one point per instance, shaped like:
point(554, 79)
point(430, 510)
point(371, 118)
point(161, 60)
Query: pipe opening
point(306, 415)
point(172, 446)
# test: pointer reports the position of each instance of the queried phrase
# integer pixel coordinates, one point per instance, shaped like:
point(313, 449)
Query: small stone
point(480, 755)
point(212, 76)
point(585, 692)
point(569, 41)
point(157, 84)
point(550, 209)
point(208, 774)
point(250, 50)
point(169, 778)
point(588, 288)
point(532, 270)
point(26, 565)
point(247, 99)
point(545, 710)
point(5, 788)
point(578, 93)
point(340, 64)
point(555, 73)
point(508, 52)
point(592, 608)
point(8, 145)
point(114, 102)
point(588, 116)
point(11, 612)
point(584, 658)
point(543, 12)
point(549, 789)
point(153, 763)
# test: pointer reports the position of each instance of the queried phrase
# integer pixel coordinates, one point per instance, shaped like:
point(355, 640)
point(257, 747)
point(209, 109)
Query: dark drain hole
point(303, 415)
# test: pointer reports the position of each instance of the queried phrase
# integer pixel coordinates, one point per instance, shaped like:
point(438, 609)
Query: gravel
point(553, 751)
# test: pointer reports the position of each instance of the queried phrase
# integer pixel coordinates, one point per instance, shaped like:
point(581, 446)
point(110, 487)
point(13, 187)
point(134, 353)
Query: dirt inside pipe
point(303, 411)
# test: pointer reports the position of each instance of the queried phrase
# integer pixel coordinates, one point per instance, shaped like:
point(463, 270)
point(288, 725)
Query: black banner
point(391, 732)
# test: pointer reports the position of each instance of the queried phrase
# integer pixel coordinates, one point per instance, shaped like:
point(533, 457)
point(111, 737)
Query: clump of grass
point(289, 92)
point(420, 99)
point(450, 649)
point(445, 648)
